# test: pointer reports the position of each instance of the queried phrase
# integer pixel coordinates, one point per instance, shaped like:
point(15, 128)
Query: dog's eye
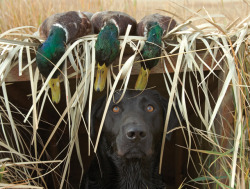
point(150, 108)
point(116, 109)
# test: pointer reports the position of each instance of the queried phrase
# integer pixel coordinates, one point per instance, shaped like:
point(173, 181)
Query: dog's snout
point(136, 133)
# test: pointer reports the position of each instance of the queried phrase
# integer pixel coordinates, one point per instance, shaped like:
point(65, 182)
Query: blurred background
point(15, 13)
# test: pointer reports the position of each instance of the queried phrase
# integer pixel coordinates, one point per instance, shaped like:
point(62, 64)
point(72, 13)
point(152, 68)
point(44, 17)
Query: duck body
point(109, 25)
point(153, 27)
point(57, 31)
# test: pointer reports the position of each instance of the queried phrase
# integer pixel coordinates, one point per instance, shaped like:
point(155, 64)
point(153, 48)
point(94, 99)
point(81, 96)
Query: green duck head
point(48, 54)
point(151, 49)
point(107, 48)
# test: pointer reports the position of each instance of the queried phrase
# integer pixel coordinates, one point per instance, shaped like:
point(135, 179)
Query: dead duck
point(153, 27)
point(59, 30)
point(109, 25)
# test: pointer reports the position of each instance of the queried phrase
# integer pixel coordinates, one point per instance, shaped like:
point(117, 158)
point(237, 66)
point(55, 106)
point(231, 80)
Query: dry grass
point(15, 13)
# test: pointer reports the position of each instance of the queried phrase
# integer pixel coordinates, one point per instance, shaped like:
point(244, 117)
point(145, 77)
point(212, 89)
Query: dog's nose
point(134, 133)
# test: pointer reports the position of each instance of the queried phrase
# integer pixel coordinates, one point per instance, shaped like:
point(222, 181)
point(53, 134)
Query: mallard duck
point(59, 30)
point(109, 25)
point(153, 27)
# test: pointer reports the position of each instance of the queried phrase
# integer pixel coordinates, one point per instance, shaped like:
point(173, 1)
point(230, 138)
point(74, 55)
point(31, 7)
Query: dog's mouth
point(134, 153)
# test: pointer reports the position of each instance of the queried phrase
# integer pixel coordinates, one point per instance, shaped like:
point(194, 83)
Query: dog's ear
point(173, 119)
point(96, 114)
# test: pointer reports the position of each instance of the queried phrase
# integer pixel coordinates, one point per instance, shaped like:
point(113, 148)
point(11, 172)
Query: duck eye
point(150, 108)
point(116, 109)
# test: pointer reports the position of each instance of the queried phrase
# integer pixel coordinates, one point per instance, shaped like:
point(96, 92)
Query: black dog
point(129, 147)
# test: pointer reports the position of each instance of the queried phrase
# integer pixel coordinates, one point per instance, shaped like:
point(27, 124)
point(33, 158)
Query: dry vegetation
point(15, 13)
point(222, 23)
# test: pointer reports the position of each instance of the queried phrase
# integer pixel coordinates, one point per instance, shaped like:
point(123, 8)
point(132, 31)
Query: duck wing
point(166, 23)
point(120, 19)
point(75, 23)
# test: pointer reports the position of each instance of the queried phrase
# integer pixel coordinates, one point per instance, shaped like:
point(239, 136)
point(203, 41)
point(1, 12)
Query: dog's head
point(133, 128)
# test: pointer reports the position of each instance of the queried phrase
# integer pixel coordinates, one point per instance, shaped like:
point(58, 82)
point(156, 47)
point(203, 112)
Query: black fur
point(130, 142)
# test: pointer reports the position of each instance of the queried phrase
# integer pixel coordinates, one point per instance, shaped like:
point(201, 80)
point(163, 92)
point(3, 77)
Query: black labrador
point(130, 143)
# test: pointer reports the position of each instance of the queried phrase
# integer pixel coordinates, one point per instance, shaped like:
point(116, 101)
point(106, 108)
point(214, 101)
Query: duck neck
point(54, 47)
point(152, 47)
point(107, 44)
point(57, 37)
point(155, 34)
point(110, 30)
point(51, 50)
